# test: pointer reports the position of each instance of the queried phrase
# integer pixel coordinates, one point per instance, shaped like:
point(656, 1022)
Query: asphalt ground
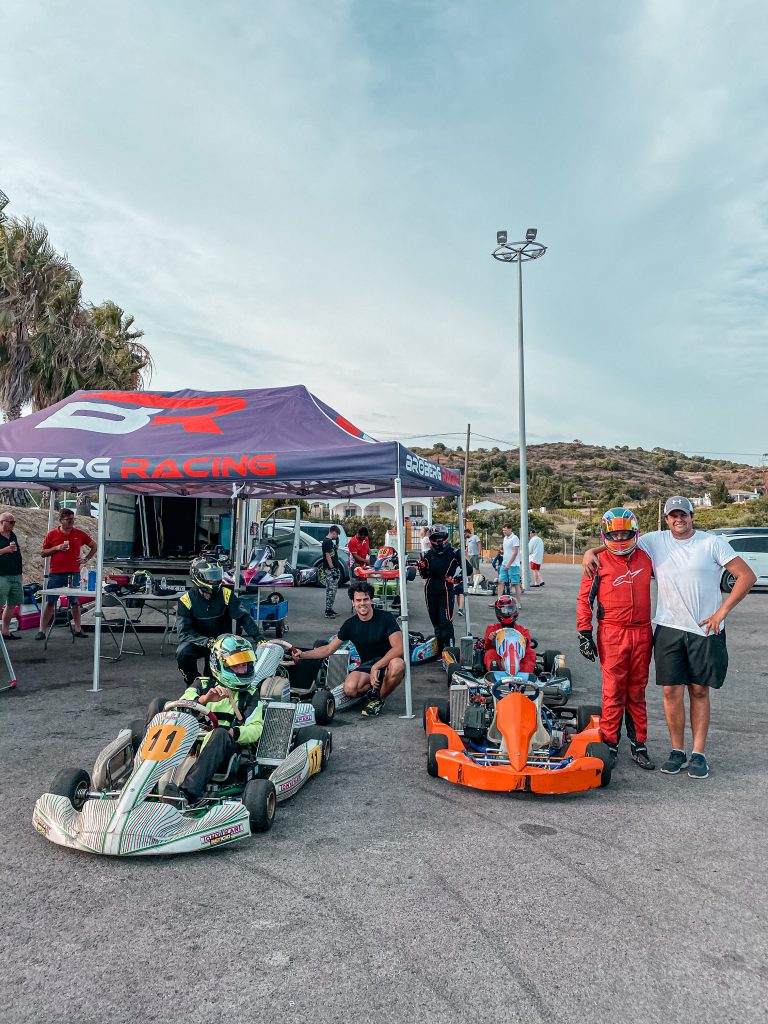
point(383, 894)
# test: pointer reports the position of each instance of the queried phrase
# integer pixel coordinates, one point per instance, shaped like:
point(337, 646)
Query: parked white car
point(752, 546)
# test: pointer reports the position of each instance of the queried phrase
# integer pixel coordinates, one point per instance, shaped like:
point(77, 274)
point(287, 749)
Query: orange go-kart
point(498, 735)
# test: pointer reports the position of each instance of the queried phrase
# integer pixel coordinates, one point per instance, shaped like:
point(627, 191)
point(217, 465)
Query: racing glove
point(423, 567)
point(587, 647)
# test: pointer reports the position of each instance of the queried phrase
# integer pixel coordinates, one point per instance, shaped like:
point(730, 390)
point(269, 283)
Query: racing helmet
point(142, 580)
point(233, 661)
point(206, 576)
point(619, 531)
point(507, 609)
point(438, 537)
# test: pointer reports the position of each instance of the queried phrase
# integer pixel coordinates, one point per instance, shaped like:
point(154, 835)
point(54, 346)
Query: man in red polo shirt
point(69, 550)
point(359, 547)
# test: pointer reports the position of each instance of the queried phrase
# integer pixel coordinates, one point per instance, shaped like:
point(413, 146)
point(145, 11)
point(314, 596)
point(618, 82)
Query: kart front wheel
point(584, 713)
point(443, 709)
point(324, 704)
point(434, 743)
point(74, 784)
point(260, 800)
point(601, 751)
point(313, 732)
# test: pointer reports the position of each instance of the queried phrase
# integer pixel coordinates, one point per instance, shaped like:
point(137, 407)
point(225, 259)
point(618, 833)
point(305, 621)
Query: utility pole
point(466, 469)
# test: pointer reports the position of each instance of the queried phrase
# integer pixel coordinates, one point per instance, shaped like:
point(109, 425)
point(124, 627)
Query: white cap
point(678, 504)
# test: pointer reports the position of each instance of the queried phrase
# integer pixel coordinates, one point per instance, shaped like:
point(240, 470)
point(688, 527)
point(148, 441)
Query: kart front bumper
point(151, 828)
point(580, 774)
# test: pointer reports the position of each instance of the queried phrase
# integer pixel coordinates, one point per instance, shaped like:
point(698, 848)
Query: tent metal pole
point(401, 564)
point(51, 521)
point(463, 550)
point(239, 517)
point(98, 615)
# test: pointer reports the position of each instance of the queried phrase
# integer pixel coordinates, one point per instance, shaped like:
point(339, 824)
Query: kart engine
point(478, 716)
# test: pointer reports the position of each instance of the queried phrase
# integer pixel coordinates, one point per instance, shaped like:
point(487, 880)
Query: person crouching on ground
point(507, 610)
point(379, 642)
point(620, 595)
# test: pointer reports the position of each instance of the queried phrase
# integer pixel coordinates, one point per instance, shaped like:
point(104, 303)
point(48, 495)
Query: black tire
point(584, 712)
point(548, 659)
point(314, 732)
point(74, 784)
point(727, 581)
point(435, 742)
point(443, 711)
point(260, 800)
point(324, 704)
point(138, 727)
point(450, 672)
point(601, 751)
point(565, 673)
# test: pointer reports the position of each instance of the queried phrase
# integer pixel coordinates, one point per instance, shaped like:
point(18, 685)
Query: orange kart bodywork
point(517, 770)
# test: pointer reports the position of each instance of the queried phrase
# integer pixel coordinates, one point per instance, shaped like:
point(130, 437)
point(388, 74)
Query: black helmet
point(206, 576)
point(438, 537)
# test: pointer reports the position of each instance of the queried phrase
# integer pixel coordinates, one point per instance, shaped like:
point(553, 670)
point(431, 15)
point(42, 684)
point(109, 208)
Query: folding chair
point(118, 621)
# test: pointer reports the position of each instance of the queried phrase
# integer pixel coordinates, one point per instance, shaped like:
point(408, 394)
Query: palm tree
point(51, 344)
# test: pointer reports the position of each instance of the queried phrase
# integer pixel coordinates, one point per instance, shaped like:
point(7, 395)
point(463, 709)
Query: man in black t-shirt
point(379, 642)
point(11, 580)
point(331, 570)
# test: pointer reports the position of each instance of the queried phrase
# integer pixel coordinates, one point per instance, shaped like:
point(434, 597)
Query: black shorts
point(683, 658)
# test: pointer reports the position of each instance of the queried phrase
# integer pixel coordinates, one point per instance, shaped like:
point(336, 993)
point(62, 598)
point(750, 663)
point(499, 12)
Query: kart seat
point(540, 737)
point(274, 688)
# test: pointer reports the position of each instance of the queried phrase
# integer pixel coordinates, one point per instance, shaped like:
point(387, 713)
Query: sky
point(292, 193)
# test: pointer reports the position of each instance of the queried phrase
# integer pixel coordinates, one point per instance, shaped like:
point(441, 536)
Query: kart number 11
point(162, 742)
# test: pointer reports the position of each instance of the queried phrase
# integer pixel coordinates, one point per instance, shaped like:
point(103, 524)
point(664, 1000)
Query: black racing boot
point(641, 756)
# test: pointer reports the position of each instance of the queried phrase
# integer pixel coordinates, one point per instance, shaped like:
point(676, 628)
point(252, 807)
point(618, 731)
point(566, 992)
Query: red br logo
point(123, 412)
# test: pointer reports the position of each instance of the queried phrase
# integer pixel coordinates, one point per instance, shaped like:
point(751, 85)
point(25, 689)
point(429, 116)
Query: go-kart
point(132, 804)
point(264, 569)
point(497, 734)
point(469, 657)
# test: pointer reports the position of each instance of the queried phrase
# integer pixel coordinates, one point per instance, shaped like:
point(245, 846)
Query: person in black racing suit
point(440, 567)
point(204, 612)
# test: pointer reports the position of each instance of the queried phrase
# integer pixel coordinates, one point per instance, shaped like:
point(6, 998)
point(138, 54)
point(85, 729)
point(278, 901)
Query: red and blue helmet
point(619, 531)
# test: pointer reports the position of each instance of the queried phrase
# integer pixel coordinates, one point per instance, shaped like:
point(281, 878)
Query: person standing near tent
point(536, 556)
point(11, 581)
point(360, 547)
point(331, 569)
point(424, 545)
point(510, 566)
point(64, 546)
point(472, 544)
point(440, 568)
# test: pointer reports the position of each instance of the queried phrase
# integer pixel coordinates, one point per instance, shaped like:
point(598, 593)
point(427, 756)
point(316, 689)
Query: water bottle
point(83, 578)
point(148, 584)
point(163, 583)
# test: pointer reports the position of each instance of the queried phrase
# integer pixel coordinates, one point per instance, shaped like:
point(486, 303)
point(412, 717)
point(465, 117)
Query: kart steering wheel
point(198, 711)
point(517, 686)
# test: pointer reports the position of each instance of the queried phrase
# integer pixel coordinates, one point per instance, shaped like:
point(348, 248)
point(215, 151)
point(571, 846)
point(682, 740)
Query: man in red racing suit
point(620, 595)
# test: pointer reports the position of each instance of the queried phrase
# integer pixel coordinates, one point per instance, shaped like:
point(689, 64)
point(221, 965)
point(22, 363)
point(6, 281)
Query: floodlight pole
point(520, 252)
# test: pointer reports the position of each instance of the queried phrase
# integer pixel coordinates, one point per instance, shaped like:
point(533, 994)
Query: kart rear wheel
point(435, 742)
point(324, 704)
point(260, 800)
point(584, 713)
point(601, 751)
point(313, 732)
point(565, 673)
point(74, 784)
point(548, 657)
point(450, 672)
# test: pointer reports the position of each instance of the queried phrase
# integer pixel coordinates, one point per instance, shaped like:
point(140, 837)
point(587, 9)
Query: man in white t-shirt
point(536, 557)
point(689, 637)
point(510, 565)
point(473, 549)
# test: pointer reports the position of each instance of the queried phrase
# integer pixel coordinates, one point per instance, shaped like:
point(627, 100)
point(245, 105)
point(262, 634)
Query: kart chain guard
point(276, 736)
point(459, 700)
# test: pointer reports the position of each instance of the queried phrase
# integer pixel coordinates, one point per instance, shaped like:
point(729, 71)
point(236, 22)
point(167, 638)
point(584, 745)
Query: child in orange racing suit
point(507, 610)
point(620, 592)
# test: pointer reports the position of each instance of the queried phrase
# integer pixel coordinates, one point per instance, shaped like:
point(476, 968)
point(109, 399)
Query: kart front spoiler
point(578, 775)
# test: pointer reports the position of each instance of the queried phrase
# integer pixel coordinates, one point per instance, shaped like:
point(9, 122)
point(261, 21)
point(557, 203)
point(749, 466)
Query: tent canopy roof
point(268, 443)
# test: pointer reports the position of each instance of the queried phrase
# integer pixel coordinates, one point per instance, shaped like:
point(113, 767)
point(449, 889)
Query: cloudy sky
point(294, 192)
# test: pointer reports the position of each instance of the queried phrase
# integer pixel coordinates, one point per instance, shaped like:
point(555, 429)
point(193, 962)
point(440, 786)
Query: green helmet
point(233, 662)
point(206, 576)
point(142, 580)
